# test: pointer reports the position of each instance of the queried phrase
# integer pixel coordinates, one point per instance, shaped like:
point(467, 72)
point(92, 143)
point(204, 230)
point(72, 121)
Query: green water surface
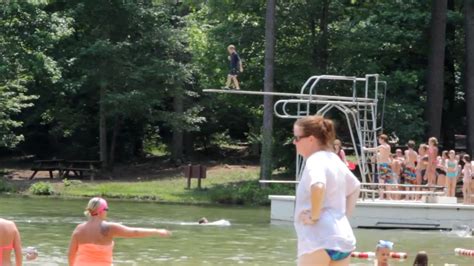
point(251, 239)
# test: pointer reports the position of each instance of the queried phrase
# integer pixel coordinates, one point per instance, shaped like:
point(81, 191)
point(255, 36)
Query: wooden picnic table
point(47, 165)
point(64, 167)
point(78, 167)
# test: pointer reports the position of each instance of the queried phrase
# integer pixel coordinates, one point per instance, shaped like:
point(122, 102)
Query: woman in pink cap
point(92, 242)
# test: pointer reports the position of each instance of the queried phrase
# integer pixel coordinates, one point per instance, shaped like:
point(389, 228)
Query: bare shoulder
point(79, 228)
point(8, 223)
point(112, 226)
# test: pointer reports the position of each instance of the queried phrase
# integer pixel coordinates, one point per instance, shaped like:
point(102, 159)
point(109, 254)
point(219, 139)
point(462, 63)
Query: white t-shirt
point(332, 230)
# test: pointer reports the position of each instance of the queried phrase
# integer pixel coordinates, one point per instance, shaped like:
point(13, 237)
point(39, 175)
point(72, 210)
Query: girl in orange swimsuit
point(9, 240)
point(92, 242)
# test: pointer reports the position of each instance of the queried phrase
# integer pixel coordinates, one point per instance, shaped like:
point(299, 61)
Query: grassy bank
point(231, 185)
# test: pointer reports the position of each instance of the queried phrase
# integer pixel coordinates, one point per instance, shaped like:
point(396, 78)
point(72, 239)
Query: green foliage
point(28, 33)
point(67, 182)
point(59, 54)
point(4, 185)
point(137, 51)
point(248, 193)
point(41, 188)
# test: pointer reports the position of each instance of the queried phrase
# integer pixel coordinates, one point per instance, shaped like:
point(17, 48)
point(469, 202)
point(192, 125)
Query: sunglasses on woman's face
point(298, 138)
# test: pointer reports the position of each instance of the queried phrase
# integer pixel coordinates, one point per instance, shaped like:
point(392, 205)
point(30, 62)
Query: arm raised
point(118, 230)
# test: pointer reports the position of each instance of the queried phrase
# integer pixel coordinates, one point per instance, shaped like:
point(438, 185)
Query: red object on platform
point(351, 165)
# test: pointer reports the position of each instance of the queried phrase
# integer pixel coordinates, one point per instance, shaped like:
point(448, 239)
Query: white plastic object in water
point(221, 222)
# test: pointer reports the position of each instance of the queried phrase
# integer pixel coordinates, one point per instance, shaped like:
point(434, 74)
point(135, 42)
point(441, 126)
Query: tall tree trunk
point(469, 72)
point(314, 45)
point(267, 141)
point(188, 140)
point(113, 142)
point(177, 142)
point(103, 127)
point(319, 42)
point(449, 119)
point(324, 38)
point(435, 75)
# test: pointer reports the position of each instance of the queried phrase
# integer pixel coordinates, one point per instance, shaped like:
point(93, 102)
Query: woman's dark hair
point(444, 154)
point(467, 158)
point(319, 127)
point(421, 259)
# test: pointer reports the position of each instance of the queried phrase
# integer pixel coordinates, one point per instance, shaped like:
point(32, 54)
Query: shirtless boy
point(384, 171)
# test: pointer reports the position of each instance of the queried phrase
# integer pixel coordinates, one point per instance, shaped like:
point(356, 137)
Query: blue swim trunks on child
point(337, 255)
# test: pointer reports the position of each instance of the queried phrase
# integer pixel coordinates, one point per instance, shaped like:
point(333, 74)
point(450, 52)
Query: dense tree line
point(106, 79)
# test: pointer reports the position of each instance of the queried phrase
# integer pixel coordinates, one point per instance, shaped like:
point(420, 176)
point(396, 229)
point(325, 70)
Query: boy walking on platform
point(235, 68)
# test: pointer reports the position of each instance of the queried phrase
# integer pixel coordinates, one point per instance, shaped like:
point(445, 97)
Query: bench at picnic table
point(78, 167)
point(64, 167)
point(47, 165)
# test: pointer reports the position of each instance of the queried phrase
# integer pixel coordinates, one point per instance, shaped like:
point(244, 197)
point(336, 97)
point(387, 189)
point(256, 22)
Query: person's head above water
point(382, 252)
point(203, 220)
point(421, 259)
point(313, 133)
point(97, 207)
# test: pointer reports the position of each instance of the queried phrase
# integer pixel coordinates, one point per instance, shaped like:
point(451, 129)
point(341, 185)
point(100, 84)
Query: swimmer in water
point(92, 242)
point(382, 252)
point(221, 222)
point(421, 259)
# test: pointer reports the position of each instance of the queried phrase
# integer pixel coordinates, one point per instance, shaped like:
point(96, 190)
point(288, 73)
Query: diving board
point(359, 106)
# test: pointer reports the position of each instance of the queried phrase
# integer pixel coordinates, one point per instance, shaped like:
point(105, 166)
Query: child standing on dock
point(451, 173)
point(441, 169)
point(340, 151)
point(384, 170)
point(396, 166)
point(432, 161)
point(422, 164)
point(466, 180)
point(409, 170)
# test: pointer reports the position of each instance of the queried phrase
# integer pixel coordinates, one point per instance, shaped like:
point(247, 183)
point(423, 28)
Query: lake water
point(251, 240)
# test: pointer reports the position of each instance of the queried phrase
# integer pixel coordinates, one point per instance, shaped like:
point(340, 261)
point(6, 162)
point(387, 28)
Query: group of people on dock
point(423, 167)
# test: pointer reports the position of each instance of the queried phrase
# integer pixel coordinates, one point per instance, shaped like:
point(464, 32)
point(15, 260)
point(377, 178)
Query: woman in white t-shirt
point(326, 194)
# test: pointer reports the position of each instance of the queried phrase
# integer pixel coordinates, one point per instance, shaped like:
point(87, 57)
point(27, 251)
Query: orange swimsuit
point(9, 247)
point(94, 255)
